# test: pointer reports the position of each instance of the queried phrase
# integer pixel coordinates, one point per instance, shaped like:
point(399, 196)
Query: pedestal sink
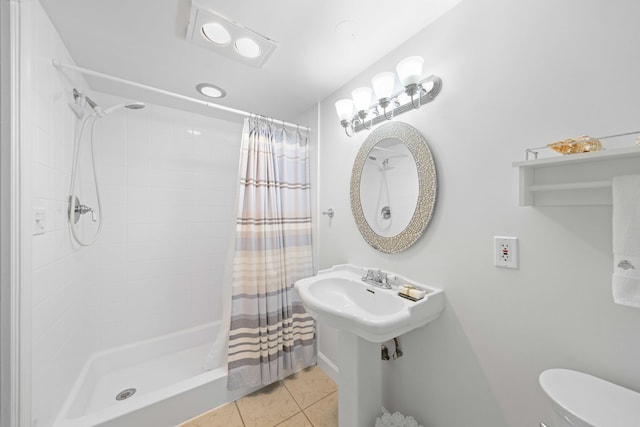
point(365, 316)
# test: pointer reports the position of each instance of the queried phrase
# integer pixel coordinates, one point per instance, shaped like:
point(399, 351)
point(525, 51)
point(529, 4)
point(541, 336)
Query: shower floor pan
point(157, 382)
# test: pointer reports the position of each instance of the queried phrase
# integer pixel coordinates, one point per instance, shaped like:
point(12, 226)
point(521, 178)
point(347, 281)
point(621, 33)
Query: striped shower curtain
point(270, 332)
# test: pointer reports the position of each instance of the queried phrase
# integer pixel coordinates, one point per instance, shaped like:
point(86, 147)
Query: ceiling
point(145, 41)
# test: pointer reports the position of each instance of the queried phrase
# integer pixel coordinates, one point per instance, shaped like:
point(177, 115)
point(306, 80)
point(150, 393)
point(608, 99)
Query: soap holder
point(410, 298)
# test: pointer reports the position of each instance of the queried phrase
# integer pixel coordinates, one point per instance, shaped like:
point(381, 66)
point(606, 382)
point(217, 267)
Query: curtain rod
point(168, 93)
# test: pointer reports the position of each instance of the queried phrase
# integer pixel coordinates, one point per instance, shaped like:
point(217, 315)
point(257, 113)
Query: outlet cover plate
point(505, 251)
point(39, 221)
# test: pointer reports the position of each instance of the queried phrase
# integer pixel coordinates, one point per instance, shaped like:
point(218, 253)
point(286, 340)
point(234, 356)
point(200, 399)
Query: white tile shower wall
point(167, 180)
point(61, 337)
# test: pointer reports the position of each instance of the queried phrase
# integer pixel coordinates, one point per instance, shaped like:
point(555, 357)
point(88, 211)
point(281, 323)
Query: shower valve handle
point(79, 209)
point(83, 209)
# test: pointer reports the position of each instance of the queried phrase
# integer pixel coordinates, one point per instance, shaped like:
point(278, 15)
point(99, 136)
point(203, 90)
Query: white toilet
point(582, 400)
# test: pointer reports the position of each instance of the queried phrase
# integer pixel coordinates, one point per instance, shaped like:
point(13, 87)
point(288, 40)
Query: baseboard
point(328, 367)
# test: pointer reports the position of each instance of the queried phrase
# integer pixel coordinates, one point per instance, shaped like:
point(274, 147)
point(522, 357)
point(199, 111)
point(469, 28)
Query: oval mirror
point(393, 187)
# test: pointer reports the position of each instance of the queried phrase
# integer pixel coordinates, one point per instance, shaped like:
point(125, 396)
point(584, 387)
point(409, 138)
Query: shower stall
point(116, 325)
point(160, 184)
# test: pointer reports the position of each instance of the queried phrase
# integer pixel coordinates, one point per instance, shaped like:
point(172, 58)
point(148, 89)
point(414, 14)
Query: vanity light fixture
point(417, 90)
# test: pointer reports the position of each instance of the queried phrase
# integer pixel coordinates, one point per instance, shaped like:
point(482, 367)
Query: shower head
point(103, 113)
point(382, 164)
point(135, 106)
point(131, 106)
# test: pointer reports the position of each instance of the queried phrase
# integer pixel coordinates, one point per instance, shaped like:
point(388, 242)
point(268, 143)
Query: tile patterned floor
point(306, 399)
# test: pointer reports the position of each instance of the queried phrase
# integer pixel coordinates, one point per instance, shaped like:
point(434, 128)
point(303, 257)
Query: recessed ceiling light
point(216, 33)
point(211, 90)
point(247, 47)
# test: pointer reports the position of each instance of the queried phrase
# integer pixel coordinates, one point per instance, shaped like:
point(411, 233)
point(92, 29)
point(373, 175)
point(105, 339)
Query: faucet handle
point(382, 276)
point(371, 274)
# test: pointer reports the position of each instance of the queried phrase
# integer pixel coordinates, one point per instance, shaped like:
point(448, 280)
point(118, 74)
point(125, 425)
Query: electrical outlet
point(506, 251)
point(39, 221)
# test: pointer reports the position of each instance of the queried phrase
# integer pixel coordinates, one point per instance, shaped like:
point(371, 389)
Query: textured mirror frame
point(427, 185)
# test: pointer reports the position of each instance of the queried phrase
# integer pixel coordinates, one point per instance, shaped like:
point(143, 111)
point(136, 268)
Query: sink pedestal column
point(360, 383)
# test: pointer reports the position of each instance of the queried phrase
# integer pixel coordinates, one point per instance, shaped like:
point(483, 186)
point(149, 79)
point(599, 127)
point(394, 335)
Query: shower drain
point(125, 394)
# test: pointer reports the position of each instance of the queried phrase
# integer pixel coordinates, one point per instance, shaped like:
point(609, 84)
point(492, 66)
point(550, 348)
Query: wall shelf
point(575, 179)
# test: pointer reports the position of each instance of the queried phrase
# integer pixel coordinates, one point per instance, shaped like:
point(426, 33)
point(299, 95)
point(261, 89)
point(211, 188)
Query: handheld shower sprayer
point(131, 106)
point(103, 113)
point(76, 209)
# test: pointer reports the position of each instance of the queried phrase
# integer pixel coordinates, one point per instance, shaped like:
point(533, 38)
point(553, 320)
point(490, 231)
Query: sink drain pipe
point(384, 350)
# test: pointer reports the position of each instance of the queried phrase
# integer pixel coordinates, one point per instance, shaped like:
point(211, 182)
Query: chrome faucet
point(376, 278)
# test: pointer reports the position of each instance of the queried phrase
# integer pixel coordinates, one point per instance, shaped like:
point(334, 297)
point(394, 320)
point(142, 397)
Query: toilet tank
point(582, 400)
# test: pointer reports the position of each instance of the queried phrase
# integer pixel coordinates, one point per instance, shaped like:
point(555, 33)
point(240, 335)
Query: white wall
point(167, 180)
point(516, 75)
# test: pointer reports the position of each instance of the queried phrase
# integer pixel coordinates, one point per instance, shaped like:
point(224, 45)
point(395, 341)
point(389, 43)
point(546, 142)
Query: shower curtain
point(270, 332)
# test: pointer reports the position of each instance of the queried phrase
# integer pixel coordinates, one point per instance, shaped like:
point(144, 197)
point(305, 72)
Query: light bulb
point(410, 70)
point(362, 98)
point(344, 108)
point(383, 84)
point(247, 47)
point(216, 33)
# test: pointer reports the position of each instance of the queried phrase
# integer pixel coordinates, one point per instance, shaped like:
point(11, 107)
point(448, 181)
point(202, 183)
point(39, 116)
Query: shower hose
point(74, 177)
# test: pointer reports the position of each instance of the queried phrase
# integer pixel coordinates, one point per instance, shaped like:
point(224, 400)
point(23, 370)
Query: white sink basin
point(340, 298)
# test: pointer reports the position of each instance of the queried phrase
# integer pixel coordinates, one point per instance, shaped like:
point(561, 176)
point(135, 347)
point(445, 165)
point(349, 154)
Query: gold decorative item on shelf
point(580, 144)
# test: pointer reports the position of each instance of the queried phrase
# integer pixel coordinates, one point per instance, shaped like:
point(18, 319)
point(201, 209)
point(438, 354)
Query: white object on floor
point(626, 240)
point(395, 420)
